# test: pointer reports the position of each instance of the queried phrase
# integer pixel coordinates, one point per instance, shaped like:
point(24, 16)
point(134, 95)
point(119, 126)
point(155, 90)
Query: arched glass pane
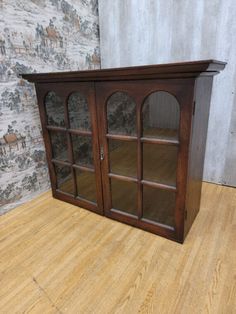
point(121, 114)
point(54, 109)
point(161, 115)
point(79, 116)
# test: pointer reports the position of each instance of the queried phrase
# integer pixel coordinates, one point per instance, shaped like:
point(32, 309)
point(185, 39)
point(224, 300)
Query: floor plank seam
point(42, 290)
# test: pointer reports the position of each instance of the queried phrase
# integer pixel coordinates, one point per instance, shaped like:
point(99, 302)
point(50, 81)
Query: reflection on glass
point(159, 205)
point(124, 196)
point(121, 114)
point(64, 179)
point(161, 114)
point(79, 112)
point(82, 150)
point(86, 186)
point(123, 158)
point(160, 163)
point(59, 145)
point(54, 109)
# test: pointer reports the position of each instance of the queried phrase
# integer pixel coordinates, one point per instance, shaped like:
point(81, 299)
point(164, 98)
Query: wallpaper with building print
point(36, 36)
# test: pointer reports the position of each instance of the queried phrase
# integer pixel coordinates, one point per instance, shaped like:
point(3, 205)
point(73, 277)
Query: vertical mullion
point(95, 124)
point(101, 105)
point(139, 160)
point(69, 145)
point(72, 162)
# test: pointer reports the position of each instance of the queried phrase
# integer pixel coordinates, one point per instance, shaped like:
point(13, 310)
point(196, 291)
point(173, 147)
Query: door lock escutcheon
point(101, 153)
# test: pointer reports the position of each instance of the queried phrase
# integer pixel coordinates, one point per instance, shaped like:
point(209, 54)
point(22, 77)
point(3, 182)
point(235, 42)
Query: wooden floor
point(58, 258)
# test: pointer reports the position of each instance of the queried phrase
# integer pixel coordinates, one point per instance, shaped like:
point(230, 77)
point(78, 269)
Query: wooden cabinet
point(129, 143)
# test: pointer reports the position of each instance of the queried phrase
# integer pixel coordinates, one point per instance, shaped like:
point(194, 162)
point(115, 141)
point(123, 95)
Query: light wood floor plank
point(58, 258)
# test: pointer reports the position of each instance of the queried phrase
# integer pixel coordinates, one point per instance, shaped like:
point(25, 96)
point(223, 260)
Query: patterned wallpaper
point(36, 36)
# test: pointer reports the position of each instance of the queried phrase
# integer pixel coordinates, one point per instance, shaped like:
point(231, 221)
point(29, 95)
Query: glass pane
point(159, 205)
point(86, 186)
point(123, 157)
point(79, 112)
point(64, 179)
point(124, 196)
point(160, 163)
point(161, 114)
point(121, 114)
point(54, 109)
point(82, 150)
point(59, 145)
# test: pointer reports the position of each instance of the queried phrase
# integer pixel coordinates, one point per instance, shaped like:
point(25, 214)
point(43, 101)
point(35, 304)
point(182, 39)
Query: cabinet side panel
point(203, 87)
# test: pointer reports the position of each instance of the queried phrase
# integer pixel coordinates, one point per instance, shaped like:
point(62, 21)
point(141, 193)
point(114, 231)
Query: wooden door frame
point(182, 90)
point(64, 90)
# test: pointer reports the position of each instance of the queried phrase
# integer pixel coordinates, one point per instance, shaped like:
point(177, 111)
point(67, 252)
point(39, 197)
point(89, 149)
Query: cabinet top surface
point(167, 70)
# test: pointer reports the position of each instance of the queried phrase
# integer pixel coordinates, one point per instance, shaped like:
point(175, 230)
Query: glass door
point(140, 143)
point(68, 115)
point(121, 152)
point(160, 116)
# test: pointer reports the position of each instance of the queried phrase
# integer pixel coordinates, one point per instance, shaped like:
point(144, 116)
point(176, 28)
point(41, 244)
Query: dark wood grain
point(159, 141)
point(182, 89)
point(80, 132)
point(55, 128)
point(190, 83)
point(121, 137)
point(202, 98)
point(170, 70)
point(158, 185)
point(83, 168)
point(123, 178)
point(64, 91)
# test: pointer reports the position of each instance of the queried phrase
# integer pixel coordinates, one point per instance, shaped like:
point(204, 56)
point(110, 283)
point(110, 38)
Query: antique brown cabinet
point(129, 143)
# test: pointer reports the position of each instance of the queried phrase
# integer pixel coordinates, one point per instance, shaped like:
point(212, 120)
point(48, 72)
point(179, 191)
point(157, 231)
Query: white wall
point(137, 32)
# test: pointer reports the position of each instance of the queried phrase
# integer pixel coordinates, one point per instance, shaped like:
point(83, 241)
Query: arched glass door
point(70, 126)
point(140, 141)
point(160, 134)
point(121, 135)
